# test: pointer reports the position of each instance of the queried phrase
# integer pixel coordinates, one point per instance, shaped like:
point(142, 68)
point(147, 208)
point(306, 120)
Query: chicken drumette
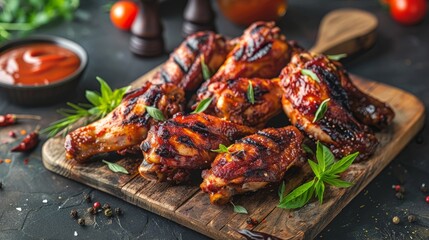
point(252, 162)
point(310, 79)
point(184, 143)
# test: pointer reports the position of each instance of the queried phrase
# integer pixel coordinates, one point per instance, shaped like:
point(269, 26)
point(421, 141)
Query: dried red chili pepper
point(28, 143)
point(10, 119)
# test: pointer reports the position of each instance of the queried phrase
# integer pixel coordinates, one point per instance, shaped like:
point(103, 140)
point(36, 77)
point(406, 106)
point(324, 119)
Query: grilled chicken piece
point(252, 162)
point(230, 100)
point(127, 125)
point(183, 143)
point(338, 128)
point(183, 68)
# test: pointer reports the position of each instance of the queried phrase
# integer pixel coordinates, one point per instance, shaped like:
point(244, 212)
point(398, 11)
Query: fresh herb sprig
point(203, 105)
point(100, 104)
point(326, 171)
point(114, 167)
point(205, 69)
point(222, 149)
point(311, 74)
point(239, 209)
point(337, 56)
point(321, 110)
point(155, 113)
point(250, 93)
point(25, 15)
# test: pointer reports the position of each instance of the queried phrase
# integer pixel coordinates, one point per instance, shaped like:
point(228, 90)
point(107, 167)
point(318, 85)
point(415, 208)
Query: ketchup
point(37, 64)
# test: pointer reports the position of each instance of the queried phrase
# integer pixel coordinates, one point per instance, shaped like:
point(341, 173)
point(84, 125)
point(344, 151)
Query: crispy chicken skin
point(183, 68)
point(230, 100)
point(127, 125)
point(303, 95)
point(252, 162)
point(184, 142)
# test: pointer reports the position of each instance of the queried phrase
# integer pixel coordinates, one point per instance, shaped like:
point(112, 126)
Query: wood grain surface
point(188, 206)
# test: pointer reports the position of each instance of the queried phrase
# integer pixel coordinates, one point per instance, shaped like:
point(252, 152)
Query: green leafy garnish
point(311, 74)
point(203, 105)
point(320, 113)
point(116, 167)
point(337, 56)
point(222, 149)
point(100, 105)
point(250, 93)
point(307, 149)
point(155, 113)
point(239, 209)
point(205, 69)
point(26, 15)
point(326, 171)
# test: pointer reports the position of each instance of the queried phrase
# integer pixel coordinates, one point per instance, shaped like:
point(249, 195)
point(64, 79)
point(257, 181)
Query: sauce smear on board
point(37, 64)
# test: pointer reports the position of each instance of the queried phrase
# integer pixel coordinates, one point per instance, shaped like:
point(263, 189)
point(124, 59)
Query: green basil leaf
point(337, 57)
point(281, 191)
point(92, 97)
point(319, 189)
point(203, 105)
point(222, 149)
point(337, 182)
point(105, 89)
point(205, 69)
point(307, 149)
point(298, 197)
point(311, 74)
point(324, 156)
point(155, 113)
point(250, 93)
point(315, 168)
point(114, 167)
point(321, 110)
point(343, 164)
point(239, 209)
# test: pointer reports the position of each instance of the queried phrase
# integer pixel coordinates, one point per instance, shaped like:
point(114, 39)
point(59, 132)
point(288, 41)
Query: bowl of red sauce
point(40, 70)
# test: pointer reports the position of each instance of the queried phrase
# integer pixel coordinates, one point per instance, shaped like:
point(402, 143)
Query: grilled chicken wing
point(231, 102)
point(183, 68)
point(184, 142)
point(252, 162)
point(303, 95)
point(127, 125)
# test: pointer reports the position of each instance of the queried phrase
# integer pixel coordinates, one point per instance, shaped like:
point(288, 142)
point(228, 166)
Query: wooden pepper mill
point(199, 16)
point(146, 39)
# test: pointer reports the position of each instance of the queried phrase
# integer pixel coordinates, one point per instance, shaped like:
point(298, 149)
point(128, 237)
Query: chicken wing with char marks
point(183, 68)
point(252, 162)
point(127, 125)
point(231, 102)
point(338, 128)
point(185, 142)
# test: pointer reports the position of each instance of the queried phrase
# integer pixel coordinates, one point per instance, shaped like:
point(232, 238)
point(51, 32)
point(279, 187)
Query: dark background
point(399, 58)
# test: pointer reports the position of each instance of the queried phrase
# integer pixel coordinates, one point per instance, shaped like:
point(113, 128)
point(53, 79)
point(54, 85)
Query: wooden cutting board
point(188, 206)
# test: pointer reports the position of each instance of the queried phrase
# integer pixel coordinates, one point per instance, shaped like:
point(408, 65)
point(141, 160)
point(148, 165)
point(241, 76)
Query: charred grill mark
point(165, 134)
point(165, 76)
point(181, 64)
point(260, 52)
point(258, 91)
point(239, 154)
point(239, 53)
point(256, 28)
point(200, 128)
point(164, 152)
point(145, 146)
point(337, 92)
point(275, 139)
point(252, 142)
point(186, 140)
point(193, 43)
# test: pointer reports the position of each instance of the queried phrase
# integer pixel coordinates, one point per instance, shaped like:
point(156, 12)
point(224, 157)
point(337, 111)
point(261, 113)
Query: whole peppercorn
point(81, 221)
point(106, 206)
point(96, 205)
point(399, 195)
point(108, 212)
point(73, 213)
point(87, 198)
point(411, 218)
point(118, 211)
point(92, 211)
point(396, 220)
point(427, 199)
point(397, 187)
point(424, 188)
point(12, 134)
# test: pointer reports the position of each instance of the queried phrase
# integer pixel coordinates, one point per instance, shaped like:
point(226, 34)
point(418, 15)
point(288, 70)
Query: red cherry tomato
point(408, 12)
point(123, 13)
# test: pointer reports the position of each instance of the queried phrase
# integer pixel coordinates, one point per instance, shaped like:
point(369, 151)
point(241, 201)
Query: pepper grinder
point(199, 16)
point(146, 39)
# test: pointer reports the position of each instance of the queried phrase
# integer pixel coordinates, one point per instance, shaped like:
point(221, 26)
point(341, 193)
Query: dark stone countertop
point(399, 58)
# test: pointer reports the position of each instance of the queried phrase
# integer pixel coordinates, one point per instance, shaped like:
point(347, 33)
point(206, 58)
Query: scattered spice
point(81, 221)
point(23, 132)
point(427, 199)
point(92, 211)
point(10, 119)
point(87, 198)
point(396, 220)
point(411, 218)
point(397, 187)
point(12, 134)
point(7, 160)
point(28, 143)
point(108, 212)
point(118, 211)
point(252, 221)
point(26, 161)
point(106, 206)
point(96, 205)
point(399, 195)
point(424, 188)
point(73, 213)
point(1, 161)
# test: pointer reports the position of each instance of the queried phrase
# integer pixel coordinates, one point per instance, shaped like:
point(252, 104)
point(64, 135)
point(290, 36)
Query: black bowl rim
point(63, 42)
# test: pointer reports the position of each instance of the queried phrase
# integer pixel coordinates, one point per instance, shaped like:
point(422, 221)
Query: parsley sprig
point(222, 149)
point(326, 171)
point(100, 104)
